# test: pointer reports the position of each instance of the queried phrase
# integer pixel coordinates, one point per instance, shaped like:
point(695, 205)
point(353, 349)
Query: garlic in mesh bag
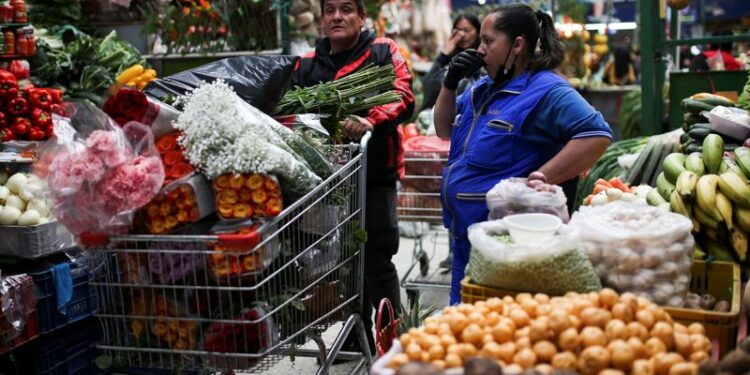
point(639, 249)
point(554, 266)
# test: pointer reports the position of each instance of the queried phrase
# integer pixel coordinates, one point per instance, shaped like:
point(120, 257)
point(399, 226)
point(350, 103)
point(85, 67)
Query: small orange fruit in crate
point(243, 196)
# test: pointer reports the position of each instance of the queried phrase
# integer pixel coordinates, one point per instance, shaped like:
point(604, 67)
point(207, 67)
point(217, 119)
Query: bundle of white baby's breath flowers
point(220, 137)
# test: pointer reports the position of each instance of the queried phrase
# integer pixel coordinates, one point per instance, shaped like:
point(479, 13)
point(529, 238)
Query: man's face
point(341, 20)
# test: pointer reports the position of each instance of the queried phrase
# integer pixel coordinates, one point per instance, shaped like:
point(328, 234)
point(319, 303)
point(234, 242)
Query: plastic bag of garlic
point(640, 249)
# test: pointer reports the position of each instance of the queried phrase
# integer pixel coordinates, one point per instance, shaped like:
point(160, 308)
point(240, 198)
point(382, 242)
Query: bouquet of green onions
point(365, 89)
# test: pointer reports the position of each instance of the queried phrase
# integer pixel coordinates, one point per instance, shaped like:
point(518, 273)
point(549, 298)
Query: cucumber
point(691, 119)
point(696, 107)
point(712, 99)
point(701, 125)
point(693, 148)
point(699, 133)
point(684, 138)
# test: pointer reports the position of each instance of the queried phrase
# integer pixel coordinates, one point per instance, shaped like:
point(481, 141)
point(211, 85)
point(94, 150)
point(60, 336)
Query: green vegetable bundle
point(744, 100)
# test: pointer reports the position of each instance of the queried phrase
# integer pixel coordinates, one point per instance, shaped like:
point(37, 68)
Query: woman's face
point(468, 34)
point(494, 47)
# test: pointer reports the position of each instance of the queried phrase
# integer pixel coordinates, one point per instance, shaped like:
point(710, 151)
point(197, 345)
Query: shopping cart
point(173, 302)
point(419, 201)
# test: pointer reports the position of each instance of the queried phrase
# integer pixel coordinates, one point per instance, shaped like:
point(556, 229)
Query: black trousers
point(381, 278)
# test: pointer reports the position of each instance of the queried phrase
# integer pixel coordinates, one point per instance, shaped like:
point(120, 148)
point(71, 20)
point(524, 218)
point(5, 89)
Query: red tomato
point(410, 131)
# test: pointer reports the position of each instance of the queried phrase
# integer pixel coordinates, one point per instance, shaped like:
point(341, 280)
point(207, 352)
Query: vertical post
point(674, 34)
point(285, 42)
point(652, 77)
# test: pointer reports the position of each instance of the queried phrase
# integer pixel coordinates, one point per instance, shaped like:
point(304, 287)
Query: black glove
point(462, 65)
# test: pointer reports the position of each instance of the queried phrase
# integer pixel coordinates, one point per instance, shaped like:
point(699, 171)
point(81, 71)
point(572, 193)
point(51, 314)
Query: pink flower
point(108, 146)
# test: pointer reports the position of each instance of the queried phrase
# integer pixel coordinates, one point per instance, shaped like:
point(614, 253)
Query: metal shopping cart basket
point(167, 301)
point(419, 201)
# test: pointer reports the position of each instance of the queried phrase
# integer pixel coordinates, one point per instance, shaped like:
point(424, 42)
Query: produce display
point(22, 200)
point(647, 166)
point(608, 166)
point(638, 249)
point(26, 114)
point(242, 196)
point(706, 302)
point(711, 189)
point(696, 125)
point(594, 333)
point(611, 191)
point(554, 266)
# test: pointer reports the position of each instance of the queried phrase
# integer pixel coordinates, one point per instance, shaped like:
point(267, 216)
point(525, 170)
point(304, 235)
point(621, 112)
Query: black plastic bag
point(259, 80)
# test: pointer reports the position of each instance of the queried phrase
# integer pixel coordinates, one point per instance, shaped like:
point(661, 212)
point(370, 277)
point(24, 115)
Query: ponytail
point(551, 52)
point(520, 19)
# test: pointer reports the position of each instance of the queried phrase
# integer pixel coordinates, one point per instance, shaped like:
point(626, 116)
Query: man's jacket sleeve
point(401, 110)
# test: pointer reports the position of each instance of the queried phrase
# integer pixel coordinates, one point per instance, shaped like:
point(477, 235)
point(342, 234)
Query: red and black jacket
point(385, 159)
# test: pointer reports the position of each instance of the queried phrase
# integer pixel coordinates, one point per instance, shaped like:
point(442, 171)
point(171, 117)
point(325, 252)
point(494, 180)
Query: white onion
point(30, 217)
point(15, 182)
point(15, 201)
point(9, 215)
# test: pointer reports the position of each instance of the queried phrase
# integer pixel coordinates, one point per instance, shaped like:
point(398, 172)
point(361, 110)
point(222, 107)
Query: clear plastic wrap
point(553, 266)
point(17, 300)
point(640, 249)
point(31, 242)
point(228, 264)
point(513, 196)
point(99, 173)
point(181, 202)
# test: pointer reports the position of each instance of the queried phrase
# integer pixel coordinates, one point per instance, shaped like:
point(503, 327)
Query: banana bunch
point(712, 190)
point(696, 126)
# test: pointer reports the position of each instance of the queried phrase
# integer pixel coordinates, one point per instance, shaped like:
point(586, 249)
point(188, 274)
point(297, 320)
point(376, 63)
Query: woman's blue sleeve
point(571, 116)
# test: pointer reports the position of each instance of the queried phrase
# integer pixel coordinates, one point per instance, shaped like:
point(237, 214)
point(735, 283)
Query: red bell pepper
point(57, 109)
point(57, 95)
point(21, 126)
point(7, 135)
point(49, 131)
point(3, 120)
point(40, 98)
point(40, 117)
point(17, 106)
point(26, 89)
point(8, 85)
point(36, 134)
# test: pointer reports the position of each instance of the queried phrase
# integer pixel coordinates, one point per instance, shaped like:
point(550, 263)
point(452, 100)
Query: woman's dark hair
point(623, 60)
point(520, 20)
point(475, 23)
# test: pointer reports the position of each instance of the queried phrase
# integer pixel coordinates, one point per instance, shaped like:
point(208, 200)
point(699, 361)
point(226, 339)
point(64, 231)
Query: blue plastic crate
point(70, 353)
point(82, 304)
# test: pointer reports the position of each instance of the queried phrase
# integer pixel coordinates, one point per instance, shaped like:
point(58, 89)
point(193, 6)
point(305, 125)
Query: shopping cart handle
point(94, 239)
point(239, 241)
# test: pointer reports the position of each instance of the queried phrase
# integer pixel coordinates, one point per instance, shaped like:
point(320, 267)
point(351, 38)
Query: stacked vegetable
point(26, 114)
point(696, 125)
point(22, 201)
point(610, 191)
point(588, 333)
point(713, 191)
point(647, 166)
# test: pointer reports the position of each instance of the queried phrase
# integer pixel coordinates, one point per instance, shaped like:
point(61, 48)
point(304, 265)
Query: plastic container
point(82, 304)
point(471, 292)
point(530, 228)
point(70, 351)
point(242, 262)
point(32, 242)
point(24, 290)
point(732, 122)
point(721, 280)
point(244, 196)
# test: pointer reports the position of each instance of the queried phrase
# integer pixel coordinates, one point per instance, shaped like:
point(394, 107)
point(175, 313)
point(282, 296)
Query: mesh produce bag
point(639, 249)
point(554, 266)
point(513, 196)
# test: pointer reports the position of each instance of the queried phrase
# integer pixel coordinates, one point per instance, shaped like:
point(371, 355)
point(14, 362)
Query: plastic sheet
point(31, 242)
point(259, 80)
point(513, 196)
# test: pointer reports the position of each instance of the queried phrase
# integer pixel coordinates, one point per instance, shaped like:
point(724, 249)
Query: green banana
point(712, 152)
point(728, 165)
point(673, 165)
point(705, 195)
point(719, 252)
point(742, 158)
point(707, 221)
point(742, 218)
point(685, 185)
point(735, 189)
point(694, 163)
point(677, 204)
point(664, 187)
point(724, 206)
point(738, 239)
point(654, 198)
point(698, 252)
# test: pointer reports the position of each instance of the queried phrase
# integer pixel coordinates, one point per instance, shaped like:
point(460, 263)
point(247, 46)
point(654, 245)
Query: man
point(345, 49)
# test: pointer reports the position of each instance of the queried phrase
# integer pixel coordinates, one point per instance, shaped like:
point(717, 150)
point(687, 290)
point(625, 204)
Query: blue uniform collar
point(515, 86)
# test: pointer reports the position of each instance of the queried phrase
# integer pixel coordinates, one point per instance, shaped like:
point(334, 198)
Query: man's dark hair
point(359, 3)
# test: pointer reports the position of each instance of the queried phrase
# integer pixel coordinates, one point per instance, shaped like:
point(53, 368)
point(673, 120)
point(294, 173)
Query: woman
point(465, 35)
point(521, 120)
point(621, 71)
